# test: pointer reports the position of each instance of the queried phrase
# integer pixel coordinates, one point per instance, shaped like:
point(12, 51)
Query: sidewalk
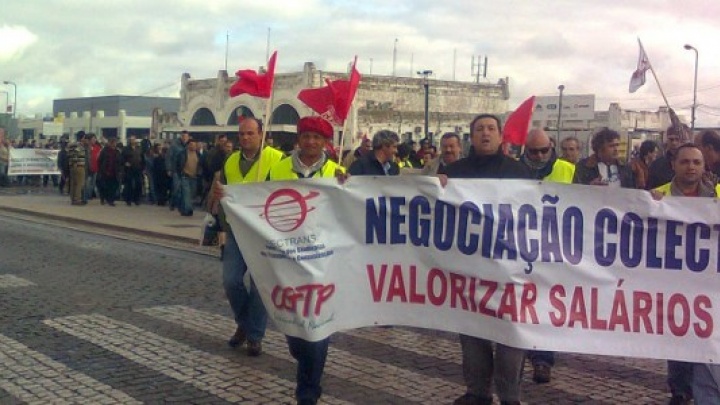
point(148, 220)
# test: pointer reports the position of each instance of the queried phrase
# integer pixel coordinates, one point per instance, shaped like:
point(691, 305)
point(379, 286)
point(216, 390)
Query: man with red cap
point(309, 160)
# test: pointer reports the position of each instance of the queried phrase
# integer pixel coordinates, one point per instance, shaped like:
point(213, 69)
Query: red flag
point(638, 76)
point(516, 126)
point(254, 84)
point(333, 101)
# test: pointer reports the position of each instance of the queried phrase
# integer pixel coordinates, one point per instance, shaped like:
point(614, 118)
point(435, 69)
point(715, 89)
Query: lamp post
point(559, 121)
point(14, 93)
point(426, 84)
point(694, 105)
point(7, 98)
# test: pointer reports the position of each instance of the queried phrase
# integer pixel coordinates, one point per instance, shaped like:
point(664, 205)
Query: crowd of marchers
point(686, 164)
point(183, 173)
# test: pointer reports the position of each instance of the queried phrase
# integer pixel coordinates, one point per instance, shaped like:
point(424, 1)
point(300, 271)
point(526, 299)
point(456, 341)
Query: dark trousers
point(132, 186)
point(680, 378)
point(108, 187)
point(541, 357)
point(311, 358)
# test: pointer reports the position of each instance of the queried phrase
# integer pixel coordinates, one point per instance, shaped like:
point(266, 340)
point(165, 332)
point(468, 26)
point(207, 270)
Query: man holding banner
point(309, 161)
point(687, 379)
point(543, 163)
point(480, 366)
point(250, 164)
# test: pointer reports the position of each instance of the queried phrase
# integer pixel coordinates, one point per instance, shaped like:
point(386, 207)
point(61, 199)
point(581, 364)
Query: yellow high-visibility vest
point(562, 172)
point(268, 158)
point(665, 189)
point(283, 170)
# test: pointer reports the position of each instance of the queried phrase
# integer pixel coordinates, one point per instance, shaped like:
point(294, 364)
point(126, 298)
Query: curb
point(86, 222)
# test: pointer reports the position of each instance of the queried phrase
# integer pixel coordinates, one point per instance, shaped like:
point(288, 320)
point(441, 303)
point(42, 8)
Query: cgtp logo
point(290, 298)
point(286, 209)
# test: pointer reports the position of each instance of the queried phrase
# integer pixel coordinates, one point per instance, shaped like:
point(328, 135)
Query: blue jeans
point(89, 186)
point(680, 377)
point(311, 358)
point(706, 384)
point(187, 191)
point(247, 306)
point(151, 195)
point(541, 357)
point(175, 191)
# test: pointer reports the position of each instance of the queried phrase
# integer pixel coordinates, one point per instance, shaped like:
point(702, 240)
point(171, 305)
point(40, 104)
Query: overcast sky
point(74, 48)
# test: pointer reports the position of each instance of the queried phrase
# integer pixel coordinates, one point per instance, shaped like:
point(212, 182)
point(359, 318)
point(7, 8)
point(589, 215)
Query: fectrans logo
point(286, 209)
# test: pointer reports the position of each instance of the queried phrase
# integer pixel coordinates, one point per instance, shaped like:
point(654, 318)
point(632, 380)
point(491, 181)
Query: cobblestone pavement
point(88, 318)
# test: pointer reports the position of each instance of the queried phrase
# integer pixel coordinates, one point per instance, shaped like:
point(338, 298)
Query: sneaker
point(238, 338)
point(254, 349)
point(541, 374)
point(472, 399)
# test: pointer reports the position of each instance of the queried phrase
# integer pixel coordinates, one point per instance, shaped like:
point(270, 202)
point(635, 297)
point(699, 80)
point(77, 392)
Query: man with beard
point(450, 152)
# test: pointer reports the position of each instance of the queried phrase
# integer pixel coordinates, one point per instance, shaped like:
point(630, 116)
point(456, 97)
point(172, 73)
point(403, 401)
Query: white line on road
point(369, 373)
point(214, 374)
point(11, 281)
point(34, 378)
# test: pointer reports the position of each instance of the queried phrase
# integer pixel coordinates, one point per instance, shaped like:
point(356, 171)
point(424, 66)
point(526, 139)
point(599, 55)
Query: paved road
point(87, 318)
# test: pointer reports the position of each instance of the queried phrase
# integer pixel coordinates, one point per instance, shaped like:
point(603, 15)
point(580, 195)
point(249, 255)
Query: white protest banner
point(32, 162)
point(535, 265)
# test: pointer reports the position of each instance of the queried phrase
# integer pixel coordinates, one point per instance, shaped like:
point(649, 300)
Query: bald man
point(541, 159)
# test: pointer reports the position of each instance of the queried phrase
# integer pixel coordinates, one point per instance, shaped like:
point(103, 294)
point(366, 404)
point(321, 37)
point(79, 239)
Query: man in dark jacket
point(661, 171)
point(479, 362)
point(133, 165)
point(109, 172)
point(381, 161)
point(603, 168)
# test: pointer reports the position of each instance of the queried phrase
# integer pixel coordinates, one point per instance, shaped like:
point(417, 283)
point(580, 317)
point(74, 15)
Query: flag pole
point(342, 141)
point(266, 130)
point(662, 93)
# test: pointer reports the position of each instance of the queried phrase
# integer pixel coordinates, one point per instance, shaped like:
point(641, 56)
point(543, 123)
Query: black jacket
point(586, 170)
point(368, 165)
point(660, 172)
point(497, 166)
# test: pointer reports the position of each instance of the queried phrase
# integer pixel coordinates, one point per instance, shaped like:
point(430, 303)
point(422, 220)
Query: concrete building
point(580, 119)
point(107, 116)
point(381, 102)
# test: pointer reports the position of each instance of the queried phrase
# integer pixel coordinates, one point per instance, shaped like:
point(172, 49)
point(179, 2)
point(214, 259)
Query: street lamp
point(15, 93)
point(7, 98)
point(426, 83)
point(559, 121)
point(694, 106)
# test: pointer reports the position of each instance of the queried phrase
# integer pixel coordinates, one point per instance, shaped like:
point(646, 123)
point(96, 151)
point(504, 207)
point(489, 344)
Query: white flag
point(638, 76)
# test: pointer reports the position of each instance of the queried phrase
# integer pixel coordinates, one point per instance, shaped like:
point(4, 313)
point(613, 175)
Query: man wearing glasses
point(542, 160)
point(544, 164)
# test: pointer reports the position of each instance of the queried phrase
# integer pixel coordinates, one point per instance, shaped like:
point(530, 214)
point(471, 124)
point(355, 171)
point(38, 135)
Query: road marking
point(34, 378)
point(381, 376)
point(214, 374)
point(11, 281)
point(362, 371)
